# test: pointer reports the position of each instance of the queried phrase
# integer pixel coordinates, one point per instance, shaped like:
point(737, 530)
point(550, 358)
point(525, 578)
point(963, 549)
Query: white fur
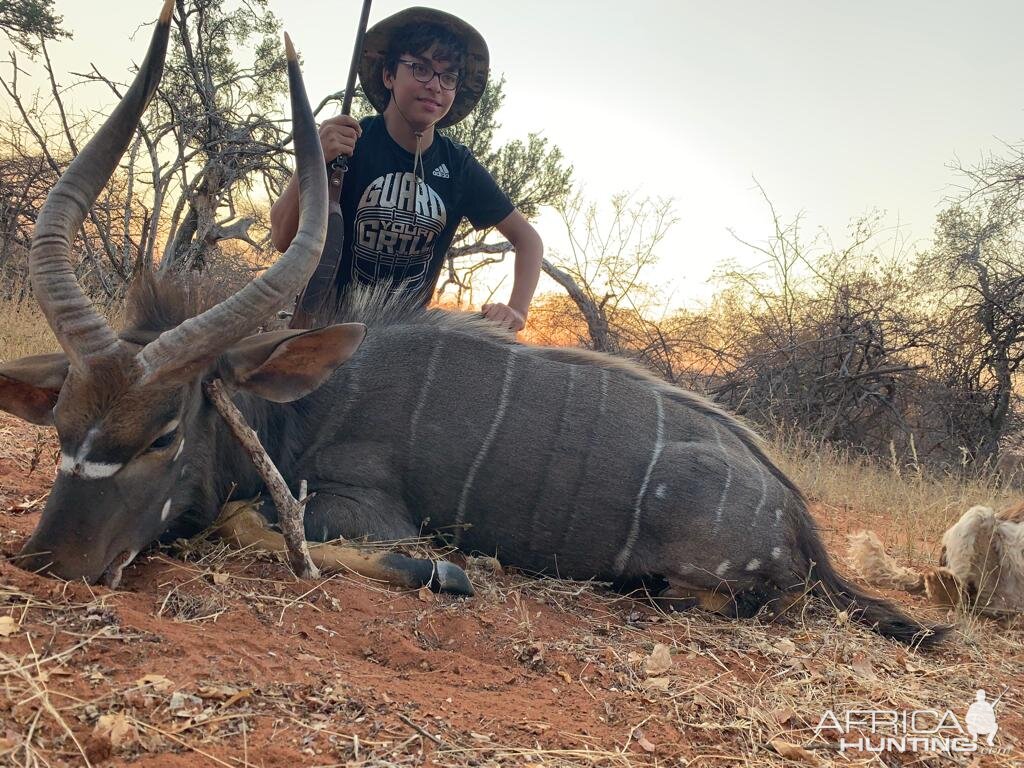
point(728, 481)
point(485, 447)
point(634, 528)
point(87, 470)
point(986, 550)
point(984, 555)
point(879, 569)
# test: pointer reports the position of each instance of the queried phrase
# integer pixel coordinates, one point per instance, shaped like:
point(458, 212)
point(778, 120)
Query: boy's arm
point(529, 251)
point(284, 216)
point(338, 136)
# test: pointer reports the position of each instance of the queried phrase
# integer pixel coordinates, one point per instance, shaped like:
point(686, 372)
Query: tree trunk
point(601, 338)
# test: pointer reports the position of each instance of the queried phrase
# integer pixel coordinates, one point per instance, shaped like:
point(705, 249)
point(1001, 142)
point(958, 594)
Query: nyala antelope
point(557, 461)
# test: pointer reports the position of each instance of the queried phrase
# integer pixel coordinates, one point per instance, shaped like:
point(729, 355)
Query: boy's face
point(423, 104)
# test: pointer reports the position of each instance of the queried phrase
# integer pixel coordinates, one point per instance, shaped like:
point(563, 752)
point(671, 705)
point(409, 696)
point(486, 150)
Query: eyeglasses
point(424, 74)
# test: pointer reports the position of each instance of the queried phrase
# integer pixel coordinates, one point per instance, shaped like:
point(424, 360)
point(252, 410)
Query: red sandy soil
point(211, 658)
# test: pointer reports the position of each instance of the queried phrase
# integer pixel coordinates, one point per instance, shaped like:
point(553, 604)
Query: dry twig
point(289, 509)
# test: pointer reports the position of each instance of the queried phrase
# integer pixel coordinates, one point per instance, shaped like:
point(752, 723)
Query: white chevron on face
point(88, 470)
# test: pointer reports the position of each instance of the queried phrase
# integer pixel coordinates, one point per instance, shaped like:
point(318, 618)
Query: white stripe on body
point(764, 495)
point(421, 400)
point(485, 447)
point(634, 528)
point(728, 481)
point(350, 395)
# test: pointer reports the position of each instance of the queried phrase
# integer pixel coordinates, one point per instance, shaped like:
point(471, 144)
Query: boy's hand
point(504, 315)
point(338, 136)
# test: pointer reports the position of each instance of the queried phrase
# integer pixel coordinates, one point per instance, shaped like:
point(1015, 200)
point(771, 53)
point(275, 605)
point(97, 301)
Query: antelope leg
point(680, 597)
point(242, 526)
point(290, 510)
point(746, 602)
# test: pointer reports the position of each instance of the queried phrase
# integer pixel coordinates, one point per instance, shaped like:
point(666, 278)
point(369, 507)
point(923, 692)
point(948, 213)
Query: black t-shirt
point(398, 230)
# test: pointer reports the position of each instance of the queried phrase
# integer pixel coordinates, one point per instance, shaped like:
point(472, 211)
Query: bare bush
point(209, 146)
point(825, 343)
point(975, 277)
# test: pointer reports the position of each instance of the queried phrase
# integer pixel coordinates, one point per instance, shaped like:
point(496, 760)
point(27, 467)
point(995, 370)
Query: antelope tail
point(874, 612)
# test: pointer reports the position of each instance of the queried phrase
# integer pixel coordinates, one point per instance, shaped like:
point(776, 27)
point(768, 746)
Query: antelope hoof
point(448, 577)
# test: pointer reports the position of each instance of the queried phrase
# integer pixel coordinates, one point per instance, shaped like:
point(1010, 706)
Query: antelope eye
point(164, 440)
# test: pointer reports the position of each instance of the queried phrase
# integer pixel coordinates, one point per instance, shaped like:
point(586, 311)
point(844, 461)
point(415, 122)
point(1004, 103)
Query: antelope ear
point(29, 387)
point(285, 365)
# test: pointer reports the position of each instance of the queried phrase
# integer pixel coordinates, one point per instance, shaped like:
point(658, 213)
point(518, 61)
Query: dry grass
point(915, 506)
point(734, 694)
point(732, 691)
point(23, 331)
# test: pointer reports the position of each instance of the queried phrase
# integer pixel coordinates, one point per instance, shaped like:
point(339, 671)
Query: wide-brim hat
point(473, 78)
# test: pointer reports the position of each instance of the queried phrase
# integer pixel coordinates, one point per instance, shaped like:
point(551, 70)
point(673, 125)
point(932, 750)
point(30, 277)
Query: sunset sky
point(835, 108)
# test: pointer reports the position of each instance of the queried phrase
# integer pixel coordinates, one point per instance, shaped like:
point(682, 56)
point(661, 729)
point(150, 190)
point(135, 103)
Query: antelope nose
point(33, 558)
point(38, 557)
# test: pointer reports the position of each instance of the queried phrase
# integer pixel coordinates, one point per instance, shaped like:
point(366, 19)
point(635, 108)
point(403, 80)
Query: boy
point(408, 187)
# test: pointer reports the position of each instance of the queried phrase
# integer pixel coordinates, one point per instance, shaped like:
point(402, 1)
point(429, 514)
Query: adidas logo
point(442, 171)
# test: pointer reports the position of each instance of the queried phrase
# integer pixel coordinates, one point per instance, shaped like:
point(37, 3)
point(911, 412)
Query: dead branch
point(290, 510)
